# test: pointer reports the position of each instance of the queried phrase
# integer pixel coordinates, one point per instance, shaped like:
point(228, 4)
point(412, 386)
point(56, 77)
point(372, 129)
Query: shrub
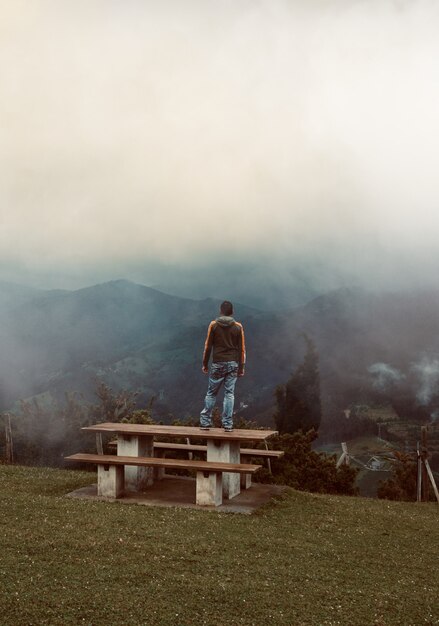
point(307, 470)
point(402, 484)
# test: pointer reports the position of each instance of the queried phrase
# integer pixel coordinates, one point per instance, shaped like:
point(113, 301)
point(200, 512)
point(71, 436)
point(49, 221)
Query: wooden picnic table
point(137, 440)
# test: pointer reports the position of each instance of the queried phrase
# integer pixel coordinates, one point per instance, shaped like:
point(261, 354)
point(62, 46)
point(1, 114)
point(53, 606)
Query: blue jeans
point(220, 373)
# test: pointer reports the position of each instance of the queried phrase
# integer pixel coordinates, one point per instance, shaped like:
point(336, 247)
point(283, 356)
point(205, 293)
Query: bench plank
point(201, 466)
point(276, 454)
point(185, 447)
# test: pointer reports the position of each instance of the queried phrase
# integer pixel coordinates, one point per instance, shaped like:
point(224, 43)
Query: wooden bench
point(246, 481)
point(209, 491)
point(189, 447)
point(160, 447)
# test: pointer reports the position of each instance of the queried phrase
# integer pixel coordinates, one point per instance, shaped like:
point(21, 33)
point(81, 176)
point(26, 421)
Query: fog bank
point(141, 137)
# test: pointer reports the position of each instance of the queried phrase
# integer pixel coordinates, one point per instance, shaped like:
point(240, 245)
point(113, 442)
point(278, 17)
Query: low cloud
point(427, 374)
point(422, 378)
point(182, 133)
point(385, 376)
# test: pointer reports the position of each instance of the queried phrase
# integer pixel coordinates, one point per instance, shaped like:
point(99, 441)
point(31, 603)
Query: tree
point(402, 484)
point(45, 433)
point(113, 406)
point(140, 416)
point(298, 401)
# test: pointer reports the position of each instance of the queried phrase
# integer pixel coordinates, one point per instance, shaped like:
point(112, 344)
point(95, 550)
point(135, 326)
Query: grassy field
point(306, 560)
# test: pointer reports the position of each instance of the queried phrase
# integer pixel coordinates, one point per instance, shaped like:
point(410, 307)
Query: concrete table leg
point(110, 481)
point(209, 489)
point(159, 472)
point(246, 481)
point(136, 478)
point(226, 452)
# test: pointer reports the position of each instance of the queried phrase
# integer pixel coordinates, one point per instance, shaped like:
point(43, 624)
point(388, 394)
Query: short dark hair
point(226, 308)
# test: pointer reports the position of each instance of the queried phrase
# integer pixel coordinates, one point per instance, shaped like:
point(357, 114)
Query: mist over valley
point(372, 348)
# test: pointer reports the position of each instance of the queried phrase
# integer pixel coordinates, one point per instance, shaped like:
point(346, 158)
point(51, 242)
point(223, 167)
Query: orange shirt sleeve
point(242, 352)
point(208, 344)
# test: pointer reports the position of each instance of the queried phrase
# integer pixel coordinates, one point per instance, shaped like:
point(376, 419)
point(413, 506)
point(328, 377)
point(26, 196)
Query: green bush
point(307, 470)
point(402, 484)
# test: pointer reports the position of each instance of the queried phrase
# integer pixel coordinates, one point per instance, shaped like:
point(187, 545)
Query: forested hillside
point(134, 337)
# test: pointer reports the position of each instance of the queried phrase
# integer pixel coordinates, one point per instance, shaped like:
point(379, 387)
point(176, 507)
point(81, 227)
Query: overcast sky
point(137, 134)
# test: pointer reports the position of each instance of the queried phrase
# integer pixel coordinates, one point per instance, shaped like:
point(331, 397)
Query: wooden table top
point(181, 431)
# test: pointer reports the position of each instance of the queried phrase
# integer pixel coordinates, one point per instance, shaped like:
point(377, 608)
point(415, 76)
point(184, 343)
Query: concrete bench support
point(110, 481)
point(159, 472)
point(136, 478)
point(226, 452)
point(209, 483)
point(246, 481)
point(209, 489)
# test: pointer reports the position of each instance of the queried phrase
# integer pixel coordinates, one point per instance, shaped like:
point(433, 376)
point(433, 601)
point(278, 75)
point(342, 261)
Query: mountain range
point(139, 338)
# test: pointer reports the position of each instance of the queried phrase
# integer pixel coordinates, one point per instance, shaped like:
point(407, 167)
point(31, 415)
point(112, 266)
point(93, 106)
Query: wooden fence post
point(424, 457)
point(268, 458)
point(433, 482)
point(424, 471)
point(344, 456)
point(419, 477)
point(9, 456)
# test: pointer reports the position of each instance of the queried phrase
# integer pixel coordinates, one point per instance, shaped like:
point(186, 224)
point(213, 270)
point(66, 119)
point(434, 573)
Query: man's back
point(226, 337)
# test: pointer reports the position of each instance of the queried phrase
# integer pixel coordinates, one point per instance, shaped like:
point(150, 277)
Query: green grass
point(384, 413)
point(306, 559)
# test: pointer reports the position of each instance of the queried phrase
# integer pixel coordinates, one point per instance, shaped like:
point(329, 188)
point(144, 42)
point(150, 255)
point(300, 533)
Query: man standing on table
point(225, 337)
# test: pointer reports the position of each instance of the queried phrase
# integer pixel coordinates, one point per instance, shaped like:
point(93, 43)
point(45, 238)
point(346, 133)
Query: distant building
point(375, 463)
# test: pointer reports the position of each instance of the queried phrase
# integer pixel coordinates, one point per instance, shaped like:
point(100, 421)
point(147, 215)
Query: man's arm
point(208, 347)
point(242, 353)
